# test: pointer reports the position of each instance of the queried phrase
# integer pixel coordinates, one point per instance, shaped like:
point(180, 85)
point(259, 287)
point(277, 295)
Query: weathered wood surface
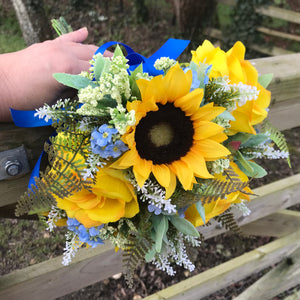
point(283, 277)
point(214, 279)
point(279, 34)
point(51, 279)
point(102, 262)
point(279, 224)
point(279, 13)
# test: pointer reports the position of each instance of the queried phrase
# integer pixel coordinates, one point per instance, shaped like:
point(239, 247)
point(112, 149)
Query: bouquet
point(144, 159)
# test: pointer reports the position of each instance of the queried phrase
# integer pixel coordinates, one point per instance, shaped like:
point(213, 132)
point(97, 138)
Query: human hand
point(26, 76)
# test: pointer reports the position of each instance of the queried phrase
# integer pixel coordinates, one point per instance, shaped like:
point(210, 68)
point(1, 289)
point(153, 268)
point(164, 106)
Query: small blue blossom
point(116, 149)
point(181, 211)
point(86, 235)
point(196, 81)
point(102, 136)
point(207, 71)
point(154, 208)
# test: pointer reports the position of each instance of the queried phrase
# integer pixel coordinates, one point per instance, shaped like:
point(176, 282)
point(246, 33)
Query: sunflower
point(173, 136)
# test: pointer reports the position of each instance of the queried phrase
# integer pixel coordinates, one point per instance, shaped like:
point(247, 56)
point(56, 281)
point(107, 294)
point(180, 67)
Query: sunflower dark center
point(165, 135)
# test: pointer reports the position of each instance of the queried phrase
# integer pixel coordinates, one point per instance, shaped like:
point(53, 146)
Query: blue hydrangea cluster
point(102, 142)
point(86, 235)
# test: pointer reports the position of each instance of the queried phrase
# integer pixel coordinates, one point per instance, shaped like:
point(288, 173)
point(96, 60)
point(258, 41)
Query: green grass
point(10, 34)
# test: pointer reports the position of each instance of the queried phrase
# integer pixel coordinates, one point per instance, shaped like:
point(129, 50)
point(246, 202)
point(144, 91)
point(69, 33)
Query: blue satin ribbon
point(172, 49)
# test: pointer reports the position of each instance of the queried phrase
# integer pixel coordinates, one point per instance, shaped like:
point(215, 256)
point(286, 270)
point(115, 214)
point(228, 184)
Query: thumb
point(77, 36)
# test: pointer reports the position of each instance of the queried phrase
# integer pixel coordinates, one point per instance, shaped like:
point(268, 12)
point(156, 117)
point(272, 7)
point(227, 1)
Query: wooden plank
point(214, 279)
point(271, 51)
point(51, 279)
point(279, 34)
point(285, 84)
point(102, 262)
point(285, 114)
point(279, 13)
point(294, 296)
point(281, 223)
point(272, 198)
point(283, 277)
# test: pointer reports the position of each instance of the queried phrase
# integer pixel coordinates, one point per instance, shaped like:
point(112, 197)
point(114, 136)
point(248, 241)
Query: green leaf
point(150, 254)
point(255, 140)
point(258, 171)
point(106, 101)
point(227, 115)
point(118, 52)
point(135, 91)
point(184, 226)
point(101, 66)
point(161, 225)
point(265, 79)
point(240, 137)
point(201, 211)
point(239, 156)
point(74, 81)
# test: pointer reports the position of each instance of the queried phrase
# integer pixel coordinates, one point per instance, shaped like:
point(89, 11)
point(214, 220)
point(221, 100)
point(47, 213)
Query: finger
point(82, 65)
point(77, 36)
point(82, 51)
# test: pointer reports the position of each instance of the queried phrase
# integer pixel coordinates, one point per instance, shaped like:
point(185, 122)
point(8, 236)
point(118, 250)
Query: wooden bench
point(265, 11)
point(269, 217)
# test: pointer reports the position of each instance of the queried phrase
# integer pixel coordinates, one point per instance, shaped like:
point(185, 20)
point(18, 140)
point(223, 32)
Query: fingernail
point(83, 29)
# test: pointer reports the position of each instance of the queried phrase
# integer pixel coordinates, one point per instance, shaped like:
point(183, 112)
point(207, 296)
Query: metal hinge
point(13, 163)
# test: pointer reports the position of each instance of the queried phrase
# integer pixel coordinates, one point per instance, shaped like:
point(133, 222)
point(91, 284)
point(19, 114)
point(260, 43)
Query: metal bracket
point(13, 163)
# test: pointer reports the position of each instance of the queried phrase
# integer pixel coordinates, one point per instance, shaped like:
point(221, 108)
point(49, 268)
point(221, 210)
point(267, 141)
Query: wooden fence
point(269, 217)
point(265, 11)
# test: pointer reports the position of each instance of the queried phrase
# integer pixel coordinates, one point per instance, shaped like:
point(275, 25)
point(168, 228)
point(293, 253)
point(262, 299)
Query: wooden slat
point(92, 265)
point(281, 223)
point(51, 279)
point(283, 277)
point(279, 34)
point(286, 81)
point(270, 51)
point(285, 114)
point(236, 269)
point(279, 13)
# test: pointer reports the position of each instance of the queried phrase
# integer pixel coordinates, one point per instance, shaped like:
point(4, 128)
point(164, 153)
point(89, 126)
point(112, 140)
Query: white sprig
point(72, 245)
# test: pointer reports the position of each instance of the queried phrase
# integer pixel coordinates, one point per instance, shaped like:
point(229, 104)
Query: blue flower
point(102, 136)
point(116, 149)
point(207, 71)
point(85, 235)
point(196, 81)
point(154, 208)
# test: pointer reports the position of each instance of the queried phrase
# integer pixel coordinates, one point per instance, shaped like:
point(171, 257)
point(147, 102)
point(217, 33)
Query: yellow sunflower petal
point(207, 112)
point(184, 173)
point(190, 102)
point(211, 149)
point(171, 188)
point(197, 163)
point(162, 174)
point(205, 129)
point(177, 83)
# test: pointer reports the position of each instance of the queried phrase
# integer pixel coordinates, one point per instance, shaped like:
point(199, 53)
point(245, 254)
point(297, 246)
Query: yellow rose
point(233, 65)
point(112, 197)
point(217, 207)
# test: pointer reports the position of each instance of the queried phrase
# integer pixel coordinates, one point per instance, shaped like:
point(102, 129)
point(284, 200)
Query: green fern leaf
point(134, 253)
point(227, 220)
point(277, 137)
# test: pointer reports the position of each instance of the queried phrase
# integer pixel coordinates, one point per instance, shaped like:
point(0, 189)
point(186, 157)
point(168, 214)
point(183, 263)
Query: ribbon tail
point(27, 118)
